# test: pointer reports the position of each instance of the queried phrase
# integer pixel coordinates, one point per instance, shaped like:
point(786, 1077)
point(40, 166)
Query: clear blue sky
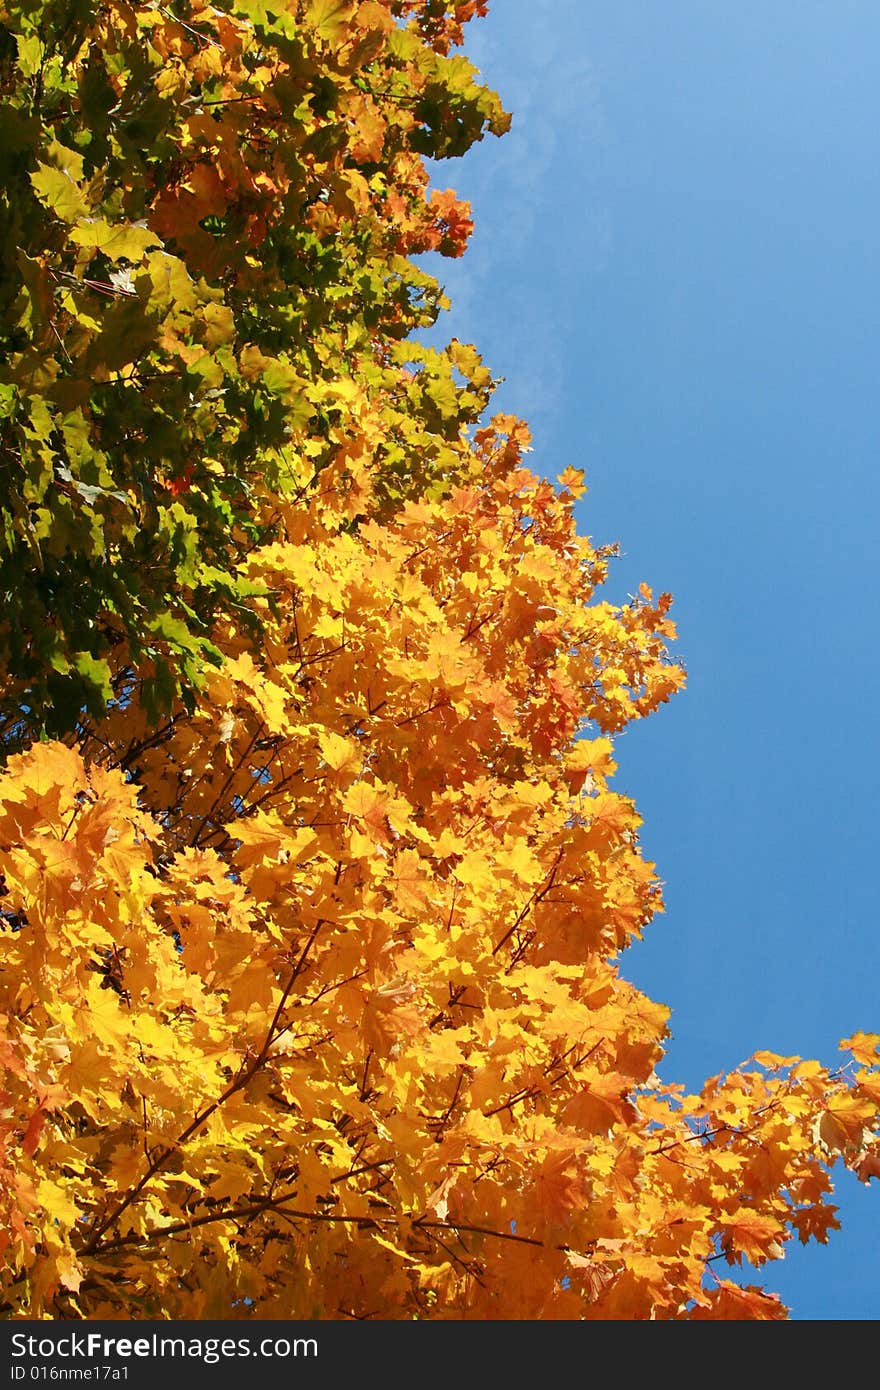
point(675, 268)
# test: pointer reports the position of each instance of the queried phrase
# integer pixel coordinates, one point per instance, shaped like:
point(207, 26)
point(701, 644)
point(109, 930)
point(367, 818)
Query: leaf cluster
point(206, 229)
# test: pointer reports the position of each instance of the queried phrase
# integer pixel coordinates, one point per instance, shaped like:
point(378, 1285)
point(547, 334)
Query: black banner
point(257, 1355)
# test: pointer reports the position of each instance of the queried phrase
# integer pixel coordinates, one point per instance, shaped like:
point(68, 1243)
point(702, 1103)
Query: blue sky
point(675, 268)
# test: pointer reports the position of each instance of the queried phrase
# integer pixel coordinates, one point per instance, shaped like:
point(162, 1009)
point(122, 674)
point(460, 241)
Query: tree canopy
point(206, 227)
point(314, 880)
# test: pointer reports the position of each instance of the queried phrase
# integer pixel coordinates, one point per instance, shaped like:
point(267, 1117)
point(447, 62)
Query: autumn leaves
point(313, 916)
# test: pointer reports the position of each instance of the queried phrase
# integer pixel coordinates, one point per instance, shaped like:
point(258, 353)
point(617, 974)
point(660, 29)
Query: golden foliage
point(312, 997)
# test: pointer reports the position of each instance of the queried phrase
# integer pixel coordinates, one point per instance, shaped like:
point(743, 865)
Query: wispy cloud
point(558, 142)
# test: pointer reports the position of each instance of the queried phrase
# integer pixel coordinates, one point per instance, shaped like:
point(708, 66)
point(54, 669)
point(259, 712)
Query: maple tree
point(310, 990)
point(207, 221)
